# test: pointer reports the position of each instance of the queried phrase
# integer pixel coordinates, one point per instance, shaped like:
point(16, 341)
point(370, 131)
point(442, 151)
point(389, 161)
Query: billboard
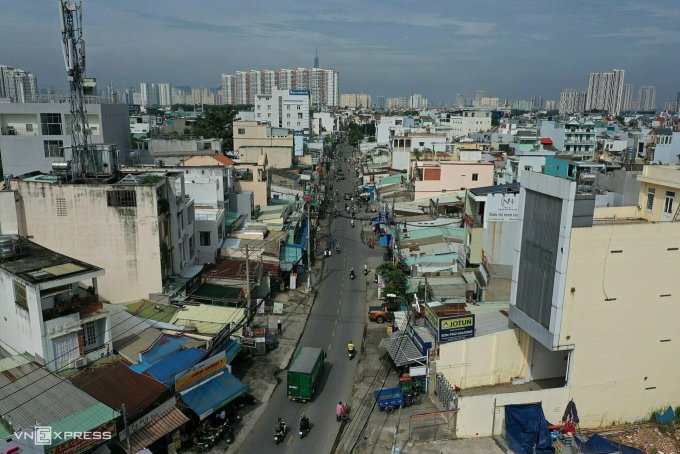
point(298, 92)
point(201, 371)
point(450, 328)
point(501, 208)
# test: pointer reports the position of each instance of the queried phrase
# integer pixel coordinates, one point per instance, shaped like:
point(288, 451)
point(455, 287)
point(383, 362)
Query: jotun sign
point(450, 328)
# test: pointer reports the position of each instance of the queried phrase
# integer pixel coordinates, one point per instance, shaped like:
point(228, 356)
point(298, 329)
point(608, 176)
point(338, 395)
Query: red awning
point(546, 141)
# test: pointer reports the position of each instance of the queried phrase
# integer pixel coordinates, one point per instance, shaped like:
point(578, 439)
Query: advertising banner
point(501, 208)
point(456, 328)
point(201, 371)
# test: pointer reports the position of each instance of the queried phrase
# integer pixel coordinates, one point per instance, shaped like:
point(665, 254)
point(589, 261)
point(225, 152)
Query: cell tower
point(86, 160)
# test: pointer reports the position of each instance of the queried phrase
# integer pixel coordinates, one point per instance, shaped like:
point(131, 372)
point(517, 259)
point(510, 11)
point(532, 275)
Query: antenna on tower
point(86, 158)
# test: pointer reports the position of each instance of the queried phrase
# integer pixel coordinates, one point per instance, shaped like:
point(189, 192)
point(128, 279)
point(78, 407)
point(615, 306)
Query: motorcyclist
point(351, 272)
point(352, 222)
point(350, 347)
point(304, 422)
point(339, 411)
point(280, 426)
point(365, 268)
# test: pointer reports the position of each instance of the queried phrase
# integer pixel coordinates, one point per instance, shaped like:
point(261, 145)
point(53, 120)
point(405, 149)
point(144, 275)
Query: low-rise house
point(438, 177)
point(45, 311)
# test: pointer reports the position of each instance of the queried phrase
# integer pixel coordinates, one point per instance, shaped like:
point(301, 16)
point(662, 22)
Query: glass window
point(241, 131)
point(89, 336)
point(475, 176)
point(51, 124)
point(20, 295)
point(205, 238)
point(650, 198)
point(53, 148)
point(300, 115)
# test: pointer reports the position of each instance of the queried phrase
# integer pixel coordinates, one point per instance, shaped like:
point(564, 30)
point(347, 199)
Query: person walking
point(279, 325)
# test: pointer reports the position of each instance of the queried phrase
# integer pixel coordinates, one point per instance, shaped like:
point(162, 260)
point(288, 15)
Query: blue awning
point(231, 349)
point(165, 370)
point(210, 396)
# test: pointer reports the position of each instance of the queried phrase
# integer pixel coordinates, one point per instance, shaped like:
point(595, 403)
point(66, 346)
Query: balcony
point(11, 131)
point(77, 304)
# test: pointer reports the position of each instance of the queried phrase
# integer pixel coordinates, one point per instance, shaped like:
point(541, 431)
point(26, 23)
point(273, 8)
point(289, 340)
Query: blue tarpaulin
point(231, 349)
point(165, 370)
point(213, 394)
point(527, 430)
point(597, 444)
point(164, 346)
point(667, 417)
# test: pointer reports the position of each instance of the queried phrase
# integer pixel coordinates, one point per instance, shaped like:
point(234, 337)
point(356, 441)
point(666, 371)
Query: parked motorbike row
point(221, 425)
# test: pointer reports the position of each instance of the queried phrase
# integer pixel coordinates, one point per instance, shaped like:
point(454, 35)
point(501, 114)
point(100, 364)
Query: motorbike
point(280, 434)
point(351, 353)
point(352, 275)
point(370, 244)
point(304, 428)
point(365, 271)
point(352, 223)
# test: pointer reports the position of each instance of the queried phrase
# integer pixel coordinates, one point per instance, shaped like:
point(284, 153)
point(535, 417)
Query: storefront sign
point(431, 320)
point(501, 208)
point(456, 328)
point(201, 371)
point(381, 282)
point(148, 418)
point(86, 441)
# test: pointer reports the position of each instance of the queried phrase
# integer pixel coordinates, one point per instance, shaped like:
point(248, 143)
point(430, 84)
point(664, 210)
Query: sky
point(510, 49)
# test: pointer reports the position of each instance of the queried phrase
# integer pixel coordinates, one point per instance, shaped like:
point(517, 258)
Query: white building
point(467, 122)
point(50, 306)
point(573, 137)
point(647, 98)
point(355, 100)
point(140, 228)
point(572, 101)
point(34, 135)
point(324, 123)
point(628, 101)
point(165, 95)
point(417, 101)
point(284, 109)
point(605, 91)
point(18, 85)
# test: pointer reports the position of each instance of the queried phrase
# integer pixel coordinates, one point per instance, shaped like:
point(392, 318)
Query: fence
point(431, 426)
point(445, 392)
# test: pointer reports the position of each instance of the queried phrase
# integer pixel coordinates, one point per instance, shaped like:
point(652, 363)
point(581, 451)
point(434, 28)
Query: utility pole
point(248, 281)
point(309, 249)
point(127, 435)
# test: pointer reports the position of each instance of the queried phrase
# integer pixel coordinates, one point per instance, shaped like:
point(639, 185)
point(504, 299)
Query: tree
point(216, 122)
point(394, 279)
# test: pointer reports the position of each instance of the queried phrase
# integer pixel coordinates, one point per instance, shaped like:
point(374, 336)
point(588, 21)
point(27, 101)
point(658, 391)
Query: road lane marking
point(290, 440)
point(329, 347)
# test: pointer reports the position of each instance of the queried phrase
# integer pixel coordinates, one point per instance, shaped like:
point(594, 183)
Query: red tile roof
point(223, 159)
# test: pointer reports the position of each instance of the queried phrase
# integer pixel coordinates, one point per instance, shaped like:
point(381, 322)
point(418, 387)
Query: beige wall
point(618, 352)
point(259, 189)
point(483, 416)
point(122, 241)
point(256, 136)
point(277, 157)
point(484, 360)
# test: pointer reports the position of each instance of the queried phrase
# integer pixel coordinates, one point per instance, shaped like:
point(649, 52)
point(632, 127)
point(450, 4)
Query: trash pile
point(650, 438)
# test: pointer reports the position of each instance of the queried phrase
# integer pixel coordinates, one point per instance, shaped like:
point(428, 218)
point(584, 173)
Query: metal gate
point(445, 392)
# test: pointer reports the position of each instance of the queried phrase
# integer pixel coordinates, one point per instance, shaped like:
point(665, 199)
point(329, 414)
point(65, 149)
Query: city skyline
point(383, 51)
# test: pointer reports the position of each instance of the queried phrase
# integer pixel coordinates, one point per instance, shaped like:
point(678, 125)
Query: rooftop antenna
point(73, 46)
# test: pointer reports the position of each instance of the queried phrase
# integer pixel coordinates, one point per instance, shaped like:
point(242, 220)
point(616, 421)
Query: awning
point(163, 425)
point(403, 351)
point(231, 349)
point(217, 392)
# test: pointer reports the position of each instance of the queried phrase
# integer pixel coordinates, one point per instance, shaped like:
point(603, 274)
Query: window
point(29, 127)
point(650, 198)
point(259, 115)
point(668, 202)
point(241, 131)
point(89, 336)
point(205, 238)
point(269, 107)
point(125, 198)
point(475, 176)
point(269, 115)
point(288, 107)
point(298, 107)
point(20, 295)
point(53, 148)
point(287, 115)
point(61, 206)
point(51, 124)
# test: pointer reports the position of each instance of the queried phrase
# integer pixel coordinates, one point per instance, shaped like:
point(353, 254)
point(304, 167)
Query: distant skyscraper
point(416, 101)
point(18, 85)
point(605, 91)
point(647, 98)
point(677, 100)
point(380, 102)
point(355, 100)
point(628, 104)
point(164, 94)
point(572, 101)
point(316, 59)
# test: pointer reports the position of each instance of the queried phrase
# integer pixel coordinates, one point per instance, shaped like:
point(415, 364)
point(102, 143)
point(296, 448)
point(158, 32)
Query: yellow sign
point(457, 323)
point(201, 370)
point(430, 316)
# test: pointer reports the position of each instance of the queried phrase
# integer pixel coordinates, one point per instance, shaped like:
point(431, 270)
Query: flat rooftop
point(35, 264)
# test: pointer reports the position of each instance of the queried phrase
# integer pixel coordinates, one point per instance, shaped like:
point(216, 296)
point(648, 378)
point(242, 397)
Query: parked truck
point(305, 373)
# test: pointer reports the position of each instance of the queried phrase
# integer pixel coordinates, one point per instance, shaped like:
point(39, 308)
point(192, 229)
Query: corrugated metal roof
point(165, 370)
point(132, 346)
point(115, 385)
point(216, 393)
point(163, 425)
point(402, 350)
point(46, 399)
point(86, 419)
point(208, 319)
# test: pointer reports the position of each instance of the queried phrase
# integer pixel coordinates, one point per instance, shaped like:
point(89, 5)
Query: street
point(338, 316)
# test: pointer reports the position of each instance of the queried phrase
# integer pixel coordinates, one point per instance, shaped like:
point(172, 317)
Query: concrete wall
point(277, 157)
point(455, 176)
point(122, 241)
point(484, 360)
point(20, 330)
point(499, 242)
point(483, 416)
point(9, 221)
point(621, 319)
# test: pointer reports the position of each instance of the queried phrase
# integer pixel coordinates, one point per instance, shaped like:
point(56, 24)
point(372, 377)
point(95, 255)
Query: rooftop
point(36, 264)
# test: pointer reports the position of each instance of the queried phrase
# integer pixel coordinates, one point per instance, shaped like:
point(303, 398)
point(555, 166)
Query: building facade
point(438, 177)
point(605, 91)
point(285, 109)
point(572, 101)
point(34, 135)
point(18, 85)
point(577, 137)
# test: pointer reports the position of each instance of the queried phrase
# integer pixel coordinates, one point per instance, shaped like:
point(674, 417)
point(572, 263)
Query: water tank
point(7, 247)
point(61, 166)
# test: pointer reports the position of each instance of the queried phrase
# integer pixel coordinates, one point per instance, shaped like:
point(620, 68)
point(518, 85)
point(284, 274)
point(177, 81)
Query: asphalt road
point(338, 315)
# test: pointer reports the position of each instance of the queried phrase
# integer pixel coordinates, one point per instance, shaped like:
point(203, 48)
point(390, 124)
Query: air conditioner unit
point(80, 362)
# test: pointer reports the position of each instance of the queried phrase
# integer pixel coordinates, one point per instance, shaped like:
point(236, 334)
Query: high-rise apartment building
point(380, 102)
point(647, 98)
point(355, 100)
point(628, 102)
point(149, 94)
point(396, 103)
point(417, 101)
point(244, 86)
point(572, 101)
point(605, 91)
point(164, 94)
point(284, 109)
point(18, 85)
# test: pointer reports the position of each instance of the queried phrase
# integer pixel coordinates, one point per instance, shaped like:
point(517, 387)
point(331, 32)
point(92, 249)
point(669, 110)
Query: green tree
point(354, 134)
point(394, 278)
point(216, 122)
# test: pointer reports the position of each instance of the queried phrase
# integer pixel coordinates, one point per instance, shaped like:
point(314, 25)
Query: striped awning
point(161, 426)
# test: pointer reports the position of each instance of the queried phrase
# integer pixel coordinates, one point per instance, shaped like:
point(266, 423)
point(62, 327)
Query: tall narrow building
point(316, 59)
point(647, 98)
point(605, 91)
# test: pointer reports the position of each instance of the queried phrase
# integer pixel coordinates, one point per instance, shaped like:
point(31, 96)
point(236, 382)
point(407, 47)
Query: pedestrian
point(279, 325)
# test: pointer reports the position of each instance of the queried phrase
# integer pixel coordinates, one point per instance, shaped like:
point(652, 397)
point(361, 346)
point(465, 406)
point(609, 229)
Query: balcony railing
point(83, 304)
point(17, 132)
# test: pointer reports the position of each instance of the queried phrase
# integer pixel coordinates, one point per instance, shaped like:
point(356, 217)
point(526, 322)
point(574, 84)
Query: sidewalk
point(421, 434)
